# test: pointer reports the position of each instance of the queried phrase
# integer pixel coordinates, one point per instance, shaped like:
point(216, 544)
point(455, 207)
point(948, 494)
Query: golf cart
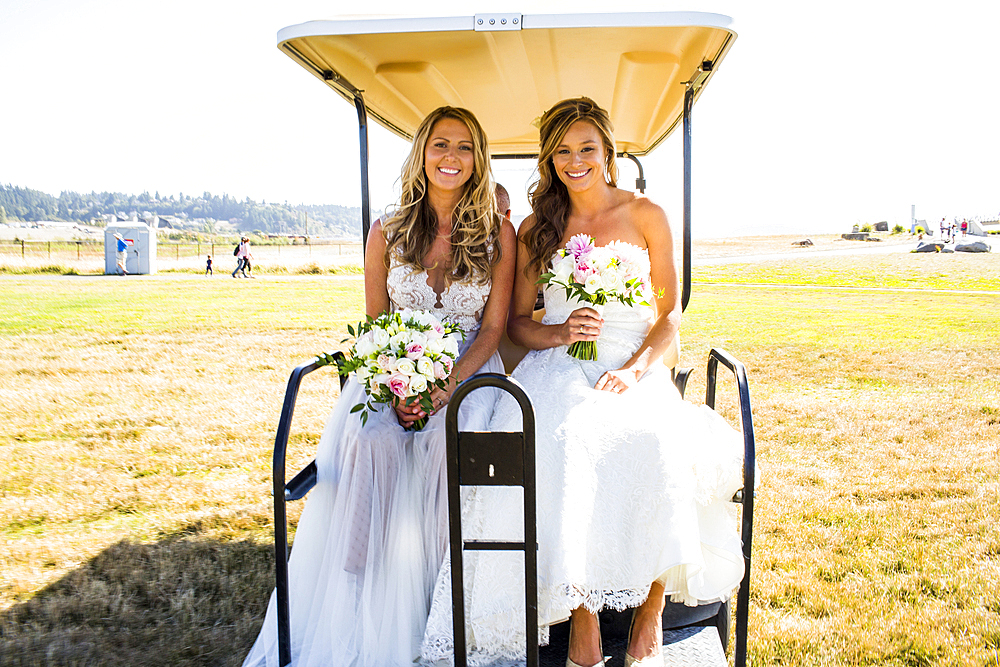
point(648, 70)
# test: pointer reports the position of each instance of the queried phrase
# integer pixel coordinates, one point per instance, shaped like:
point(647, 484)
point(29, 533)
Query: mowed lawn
point(139, 417)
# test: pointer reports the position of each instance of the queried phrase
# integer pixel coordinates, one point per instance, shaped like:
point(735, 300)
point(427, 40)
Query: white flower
point(418, 337)
point(451, 345)
point(406, 367)
point(427, 319)
point(563, 269)
point(425, 367)
point(363, 374)
point(365, 346)
point(601, 257)
point(418, 383)
point(400, 340)
point(435, 345)
point(614, 282)
point(594, 284)
point(380, 336)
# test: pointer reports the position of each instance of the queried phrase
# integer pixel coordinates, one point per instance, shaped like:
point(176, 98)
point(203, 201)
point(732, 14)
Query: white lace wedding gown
point(374, 530)
point(631, 488)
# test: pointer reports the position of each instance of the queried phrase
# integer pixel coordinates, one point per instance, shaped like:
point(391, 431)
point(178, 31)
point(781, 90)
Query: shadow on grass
point(181, 601)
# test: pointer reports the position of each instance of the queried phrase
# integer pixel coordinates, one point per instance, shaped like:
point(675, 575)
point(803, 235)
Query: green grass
point(47, 269)
point(139, 417)
point(111, 305)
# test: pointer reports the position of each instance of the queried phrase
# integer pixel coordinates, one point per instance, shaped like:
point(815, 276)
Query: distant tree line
point(27, 205)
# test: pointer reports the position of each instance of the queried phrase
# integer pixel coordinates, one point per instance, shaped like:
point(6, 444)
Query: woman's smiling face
point(579, 157)
point(448, 155)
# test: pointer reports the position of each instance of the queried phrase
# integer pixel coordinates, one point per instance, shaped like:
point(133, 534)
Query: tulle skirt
point(371, 538)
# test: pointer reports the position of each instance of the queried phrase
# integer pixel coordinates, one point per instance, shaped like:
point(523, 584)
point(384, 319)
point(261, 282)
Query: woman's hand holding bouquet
point(400, 359)
point(596, 275)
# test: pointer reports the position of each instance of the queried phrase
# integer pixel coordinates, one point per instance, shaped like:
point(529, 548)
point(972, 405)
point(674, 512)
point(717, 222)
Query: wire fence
point(88, 256)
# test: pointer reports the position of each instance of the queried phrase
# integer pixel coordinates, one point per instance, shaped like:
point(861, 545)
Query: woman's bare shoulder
point(526, 225)
point(647, 214)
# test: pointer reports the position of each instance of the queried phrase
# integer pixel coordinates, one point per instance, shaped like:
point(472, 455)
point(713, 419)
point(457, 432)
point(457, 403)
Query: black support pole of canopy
point(686, 288)
point(366, 215)
point(640, 182)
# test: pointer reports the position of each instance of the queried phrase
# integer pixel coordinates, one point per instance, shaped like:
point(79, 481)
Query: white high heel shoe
point(648, 661)
point(570, 663)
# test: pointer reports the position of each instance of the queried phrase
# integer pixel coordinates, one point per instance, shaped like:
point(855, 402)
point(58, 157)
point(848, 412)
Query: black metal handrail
point(293, 490)
point(716, 356)
point(521, 473)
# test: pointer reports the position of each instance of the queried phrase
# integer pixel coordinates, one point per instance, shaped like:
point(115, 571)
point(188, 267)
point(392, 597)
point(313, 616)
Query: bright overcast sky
point(822, 114)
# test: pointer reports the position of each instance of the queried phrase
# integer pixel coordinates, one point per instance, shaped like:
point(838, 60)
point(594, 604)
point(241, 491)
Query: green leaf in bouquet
point(350, 330)
point(356, 408)
point(426, 404)
point(325, 359)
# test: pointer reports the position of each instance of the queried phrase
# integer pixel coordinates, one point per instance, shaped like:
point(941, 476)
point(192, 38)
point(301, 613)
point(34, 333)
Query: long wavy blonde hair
point(475, 229)
point(549, 197)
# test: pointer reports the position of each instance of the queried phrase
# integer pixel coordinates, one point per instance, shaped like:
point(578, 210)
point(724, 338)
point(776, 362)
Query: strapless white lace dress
point(374, 530)
point(631, 488)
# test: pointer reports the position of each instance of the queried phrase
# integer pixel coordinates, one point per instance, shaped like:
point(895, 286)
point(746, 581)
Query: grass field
point(139, 417)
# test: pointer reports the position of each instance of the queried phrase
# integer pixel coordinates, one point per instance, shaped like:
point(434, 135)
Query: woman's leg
point(647, 624)
point(584, 638)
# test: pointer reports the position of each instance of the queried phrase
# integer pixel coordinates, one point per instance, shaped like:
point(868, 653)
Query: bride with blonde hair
point(373, 533)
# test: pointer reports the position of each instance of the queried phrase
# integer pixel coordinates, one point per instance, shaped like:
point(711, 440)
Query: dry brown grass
point(139, 419)
point(878, 424)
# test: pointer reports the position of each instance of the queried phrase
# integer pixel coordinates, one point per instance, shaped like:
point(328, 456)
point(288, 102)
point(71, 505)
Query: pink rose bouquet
point(595, 275)
point(401, 356)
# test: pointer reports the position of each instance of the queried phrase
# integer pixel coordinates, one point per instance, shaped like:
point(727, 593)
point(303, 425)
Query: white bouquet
point(598, 274)
point(401, 356)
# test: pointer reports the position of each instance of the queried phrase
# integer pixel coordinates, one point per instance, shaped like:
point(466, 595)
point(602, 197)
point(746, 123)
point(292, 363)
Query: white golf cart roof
point(509, 68)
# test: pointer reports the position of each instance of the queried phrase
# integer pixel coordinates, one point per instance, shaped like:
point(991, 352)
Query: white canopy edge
point(373, 26)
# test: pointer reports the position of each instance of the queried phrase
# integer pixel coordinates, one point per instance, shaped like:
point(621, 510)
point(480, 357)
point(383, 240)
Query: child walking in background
point(208, 267)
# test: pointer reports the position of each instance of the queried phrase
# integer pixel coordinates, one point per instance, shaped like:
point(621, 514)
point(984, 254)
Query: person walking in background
point(242, 254)
point(944, 230)
point(120, 254)
point(208, 266)
point(248, 265)
point(965, 227)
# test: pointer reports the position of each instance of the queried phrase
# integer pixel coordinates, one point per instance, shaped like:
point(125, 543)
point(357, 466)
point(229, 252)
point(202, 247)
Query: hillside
point(206, 213)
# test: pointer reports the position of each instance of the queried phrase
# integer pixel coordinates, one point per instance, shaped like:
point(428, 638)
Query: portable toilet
point(140, 253)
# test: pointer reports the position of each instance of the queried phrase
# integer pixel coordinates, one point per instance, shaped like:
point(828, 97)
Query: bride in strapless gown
point(631, 488)
point(633, 484)
point(373, 533)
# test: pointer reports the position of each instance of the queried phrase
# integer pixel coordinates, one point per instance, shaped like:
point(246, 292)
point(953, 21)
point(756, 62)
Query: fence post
point(78, 250)
point(49, 244)
point(22, 248)
point(177, 251)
